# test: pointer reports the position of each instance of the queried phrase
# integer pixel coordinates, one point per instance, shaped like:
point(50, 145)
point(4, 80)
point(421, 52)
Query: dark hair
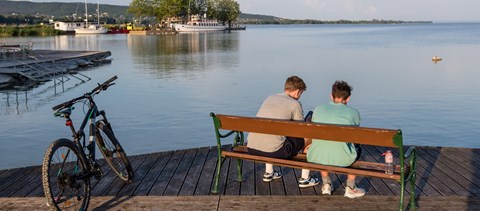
point(294, 82)
point(341, 89)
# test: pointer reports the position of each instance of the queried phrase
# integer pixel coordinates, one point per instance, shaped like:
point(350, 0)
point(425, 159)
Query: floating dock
point(447, 179)
point(38, 66)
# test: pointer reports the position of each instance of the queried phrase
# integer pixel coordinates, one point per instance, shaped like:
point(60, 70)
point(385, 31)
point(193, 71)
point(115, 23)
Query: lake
point(168, 84)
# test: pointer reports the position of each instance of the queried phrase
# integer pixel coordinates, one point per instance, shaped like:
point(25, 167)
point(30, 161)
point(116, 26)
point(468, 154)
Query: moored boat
point(199, 25)
point(91, 29)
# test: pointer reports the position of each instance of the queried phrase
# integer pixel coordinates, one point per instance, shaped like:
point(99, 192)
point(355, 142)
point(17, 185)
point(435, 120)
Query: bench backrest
point(358, 135)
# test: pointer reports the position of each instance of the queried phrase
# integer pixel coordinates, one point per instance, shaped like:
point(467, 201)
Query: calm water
point(169, 84)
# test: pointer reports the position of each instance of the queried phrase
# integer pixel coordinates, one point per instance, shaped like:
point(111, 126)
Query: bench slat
point(358, 135)
point(358, 164)
point(311, 166)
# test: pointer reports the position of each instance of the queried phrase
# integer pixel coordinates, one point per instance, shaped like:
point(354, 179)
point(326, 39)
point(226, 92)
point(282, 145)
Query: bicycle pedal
point(97, 173)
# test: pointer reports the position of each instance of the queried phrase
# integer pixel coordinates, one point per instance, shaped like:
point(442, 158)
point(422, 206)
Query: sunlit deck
point(447, 179)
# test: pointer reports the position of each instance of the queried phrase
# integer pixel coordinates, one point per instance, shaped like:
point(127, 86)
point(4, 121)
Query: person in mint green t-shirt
point(335, 153)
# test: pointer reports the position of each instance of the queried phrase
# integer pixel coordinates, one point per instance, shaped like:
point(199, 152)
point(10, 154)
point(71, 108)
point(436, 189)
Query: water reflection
point(184, 53)
point(78, 42)
point(15, 102)
point(17, 99)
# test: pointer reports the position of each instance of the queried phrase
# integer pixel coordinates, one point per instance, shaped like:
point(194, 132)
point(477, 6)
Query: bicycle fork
point(96, 170)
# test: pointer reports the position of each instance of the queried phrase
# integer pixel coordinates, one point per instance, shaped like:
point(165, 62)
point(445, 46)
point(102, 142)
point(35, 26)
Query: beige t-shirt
point(279, 106)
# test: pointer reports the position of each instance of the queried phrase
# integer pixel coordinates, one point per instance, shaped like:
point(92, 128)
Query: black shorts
point(358, 148)
point(290, 149)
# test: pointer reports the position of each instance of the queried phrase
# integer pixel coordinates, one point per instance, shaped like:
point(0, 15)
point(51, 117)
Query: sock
point(268, 168)
point(305, 173)
point(351, 184)
point(326, 180)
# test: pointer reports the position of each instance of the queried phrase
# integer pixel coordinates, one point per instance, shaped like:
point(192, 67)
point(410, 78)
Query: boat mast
point(98, 13)
point(86, 15)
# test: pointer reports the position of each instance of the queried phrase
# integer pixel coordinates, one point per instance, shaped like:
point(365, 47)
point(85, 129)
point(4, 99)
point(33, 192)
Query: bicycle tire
point(65, 179)
point(113, 152)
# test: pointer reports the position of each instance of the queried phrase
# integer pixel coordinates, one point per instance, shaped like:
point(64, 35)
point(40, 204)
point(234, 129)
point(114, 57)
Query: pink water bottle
point(389, 162)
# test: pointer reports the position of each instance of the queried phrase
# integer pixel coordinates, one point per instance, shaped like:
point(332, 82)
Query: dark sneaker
point(268, 177)
point(309, 182)
point(354, 193)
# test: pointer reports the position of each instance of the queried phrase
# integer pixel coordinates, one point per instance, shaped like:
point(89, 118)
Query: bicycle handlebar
point(96, 90)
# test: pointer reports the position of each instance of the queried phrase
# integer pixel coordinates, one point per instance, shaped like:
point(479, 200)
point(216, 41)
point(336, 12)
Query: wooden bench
point(235, 126)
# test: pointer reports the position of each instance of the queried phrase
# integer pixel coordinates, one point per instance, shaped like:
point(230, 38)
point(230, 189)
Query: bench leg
point(402, 192)
point(412, 192)
point(217, 173)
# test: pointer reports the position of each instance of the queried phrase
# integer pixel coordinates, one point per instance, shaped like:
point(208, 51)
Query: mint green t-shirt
point(332, 152)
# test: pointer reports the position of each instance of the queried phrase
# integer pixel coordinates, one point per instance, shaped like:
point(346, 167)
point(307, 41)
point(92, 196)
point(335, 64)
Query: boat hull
point(192, 28)
point(91, 31)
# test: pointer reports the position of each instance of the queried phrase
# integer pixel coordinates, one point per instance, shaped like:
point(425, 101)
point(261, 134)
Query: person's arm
point(298, 112)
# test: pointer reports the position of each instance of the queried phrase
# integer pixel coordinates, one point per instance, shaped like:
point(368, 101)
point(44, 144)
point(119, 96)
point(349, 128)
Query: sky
point(407, 10)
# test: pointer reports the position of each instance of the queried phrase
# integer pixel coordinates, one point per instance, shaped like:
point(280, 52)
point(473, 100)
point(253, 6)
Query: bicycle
point(68, 165)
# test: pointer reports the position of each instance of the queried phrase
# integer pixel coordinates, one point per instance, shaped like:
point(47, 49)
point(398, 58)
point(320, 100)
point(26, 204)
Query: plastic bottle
point(389, 162)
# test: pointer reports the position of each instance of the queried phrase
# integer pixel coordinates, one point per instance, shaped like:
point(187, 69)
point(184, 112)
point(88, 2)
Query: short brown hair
point(341, 89)
point(294, 82)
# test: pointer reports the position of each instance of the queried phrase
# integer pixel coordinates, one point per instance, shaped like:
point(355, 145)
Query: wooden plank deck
point(447, 174)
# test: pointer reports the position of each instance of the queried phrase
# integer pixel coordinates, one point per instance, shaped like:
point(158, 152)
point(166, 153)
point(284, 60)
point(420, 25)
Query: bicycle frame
point(79, 137)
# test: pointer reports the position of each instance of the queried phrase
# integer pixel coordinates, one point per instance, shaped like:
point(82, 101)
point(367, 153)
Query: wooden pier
point(43, 65)
point(447, 179)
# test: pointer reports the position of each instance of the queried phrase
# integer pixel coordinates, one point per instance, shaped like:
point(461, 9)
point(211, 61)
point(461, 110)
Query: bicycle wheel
point(113, 152)
point(65, 179)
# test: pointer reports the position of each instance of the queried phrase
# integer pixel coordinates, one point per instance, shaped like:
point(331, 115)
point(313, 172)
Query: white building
point(68, 26)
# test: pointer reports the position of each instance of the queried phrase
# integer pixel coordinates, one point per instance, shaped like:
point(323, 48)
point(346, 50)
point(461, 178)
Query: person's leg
point(268, 168)
point(305, 173)
point(293, 145)
point(269, 174)
point(326, 183)
point(351, 181)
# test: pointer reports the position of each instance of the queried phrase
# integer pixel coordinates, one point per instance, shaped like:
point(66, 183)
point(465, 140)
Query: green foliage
point(160, 9)
point(227, 11)
point(28, 30)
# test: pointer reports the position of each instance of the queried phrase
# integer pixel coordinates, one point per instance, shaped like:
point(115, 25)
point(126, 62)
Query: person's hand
point(306, 148)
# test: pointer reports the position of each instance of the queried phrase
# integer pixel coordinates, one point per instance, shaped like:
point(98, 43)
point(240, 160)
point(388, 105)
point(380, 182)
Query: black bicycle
point(68, 165)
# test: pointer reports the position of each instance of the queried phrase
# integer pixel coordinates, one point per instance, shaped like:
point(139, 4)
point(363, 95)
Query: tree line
point(225, 11)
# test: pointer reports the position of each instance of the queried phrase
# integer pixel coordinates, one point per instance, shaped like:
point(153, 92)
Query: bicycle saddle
point(63, 112)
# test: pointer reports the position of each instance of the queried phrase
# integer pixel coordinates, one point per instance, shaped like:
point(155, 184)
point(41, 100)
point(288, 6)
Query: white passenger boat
point(199, 26)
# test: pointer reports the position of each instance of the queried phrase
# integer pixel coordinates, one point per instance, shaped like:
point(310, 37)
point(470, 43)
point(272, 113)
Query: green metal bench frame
point(237, 125)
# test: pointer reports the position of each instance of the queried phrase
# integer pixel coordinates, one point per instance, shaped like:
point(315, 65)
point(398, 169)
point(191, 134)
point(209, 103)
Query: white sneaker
point(354, 193)
point(327, 189)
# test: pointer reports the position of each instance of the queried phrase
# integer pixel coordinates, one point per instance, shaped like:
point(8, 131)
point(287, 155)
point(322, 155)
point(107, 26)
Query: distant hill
point(59, 9)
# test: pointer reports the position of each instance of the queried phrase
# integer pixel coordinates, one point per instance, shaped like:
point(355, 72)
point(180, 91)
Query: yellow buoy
point(436, 59)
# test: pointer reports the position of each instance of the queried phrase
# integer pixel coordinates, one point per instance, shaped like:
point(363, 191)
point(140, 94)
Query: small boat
point(91, 29)
point(199, 25)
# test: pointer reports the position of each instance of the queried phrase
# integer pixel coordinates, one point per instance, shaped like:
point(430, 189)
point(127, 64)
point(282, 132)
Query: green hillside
point(58, 9)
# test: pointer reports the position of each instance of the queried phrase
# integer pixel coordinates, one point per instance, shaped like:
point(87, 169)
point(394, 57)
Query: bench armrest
point(237, 140)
